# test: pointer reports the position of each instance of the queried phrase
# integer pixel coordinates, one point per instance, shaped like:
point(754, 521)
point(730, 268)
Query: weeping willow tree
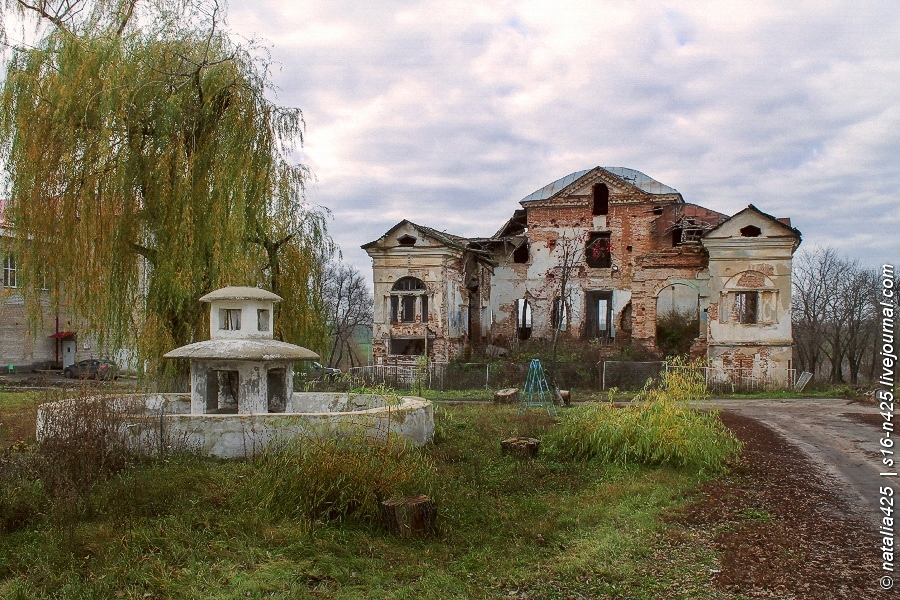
point(146, 167)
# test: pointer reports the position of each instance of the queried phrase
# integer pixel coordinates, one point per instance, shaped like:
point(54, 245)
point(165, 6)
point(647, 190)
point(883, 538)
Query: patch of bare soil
point(779, 530)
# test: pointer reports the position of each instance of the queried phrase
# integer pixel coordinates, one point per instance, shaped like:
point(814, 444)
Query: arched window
point(409, 300)
point(523, 319)
point(408, 284)
point(559, 315)
point(600, 197)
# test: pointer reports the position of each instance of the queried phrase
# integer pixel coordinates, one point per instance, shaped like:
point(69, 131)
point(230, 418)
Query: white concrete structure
point(155, 423)
point(241, 369)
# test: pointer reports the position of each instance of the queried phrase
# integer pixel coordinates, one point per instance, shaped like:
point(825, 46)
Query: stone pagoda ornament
point(241, 369)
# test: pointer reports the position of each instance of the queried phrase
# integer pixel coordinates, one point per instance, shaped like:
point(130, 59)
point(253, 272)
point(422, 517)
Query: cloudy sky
point(449, 113)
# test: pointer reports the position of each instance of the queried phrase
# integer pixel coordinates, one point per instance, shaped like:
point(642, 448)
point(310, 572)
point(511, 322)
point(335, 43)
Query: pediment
point(751, 223)
point(407, 234)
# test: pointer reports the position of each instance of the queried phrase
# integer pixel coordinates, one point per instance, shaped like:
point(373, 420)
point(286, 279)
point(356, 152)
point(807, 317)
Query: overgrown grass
point(342, 478)
point(658, 428)
point(290, 524)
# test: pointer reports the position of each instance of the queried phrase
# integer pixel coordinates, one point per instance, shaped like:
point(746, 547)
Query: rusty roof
point(633, 177)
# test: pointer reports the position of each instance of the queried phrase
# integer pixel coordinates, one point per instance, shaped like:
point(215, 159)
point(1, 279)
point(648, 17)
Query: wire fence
point(469, 376)
point(623, 375)
point(732, 381)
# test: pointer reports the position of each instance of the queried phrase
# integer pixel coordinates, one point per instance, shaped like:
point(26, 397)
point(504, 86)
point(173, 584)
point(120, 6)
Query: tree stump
point(520, 447)
point(507, 396)
point(409, 517)
point(566, 397)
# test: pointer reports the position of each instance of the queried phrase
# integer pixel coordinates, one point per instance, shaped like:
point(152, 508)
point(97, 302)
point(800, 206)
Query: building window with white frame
point(9, 272)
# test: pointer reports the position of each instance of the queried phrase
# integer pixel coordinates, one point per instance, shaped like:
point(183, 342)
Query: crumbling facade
point(600, 254)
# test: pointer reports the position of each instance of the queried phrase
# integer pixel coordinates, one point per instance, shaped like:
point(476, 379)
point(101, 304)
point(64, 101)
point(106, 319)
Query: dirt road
point(841, 439)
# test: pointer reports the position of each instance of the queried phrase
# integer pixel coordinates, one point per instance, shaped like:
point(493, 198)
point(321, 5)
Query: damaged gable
point(753, 223)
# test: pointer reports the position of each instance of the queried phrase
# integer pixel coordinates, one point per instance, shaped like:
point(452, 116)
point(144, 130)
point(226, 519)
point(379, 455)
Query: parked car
point(93, 368)
point(310, 370)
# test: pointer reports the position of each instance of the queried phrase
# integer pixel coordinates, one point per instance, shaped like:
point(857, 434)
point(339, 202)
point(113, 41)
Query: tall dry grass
point(334, 478)
point(659, 427)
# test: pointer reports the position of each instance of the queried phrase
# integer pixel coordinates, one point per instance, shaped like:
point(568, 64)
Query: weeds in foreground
point(657, 428)
point(334, 478)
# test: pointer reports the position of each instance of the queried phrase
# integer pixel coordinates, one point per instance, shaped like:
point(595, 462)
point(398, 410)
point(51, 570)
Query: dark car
point(315, 370)
point(93, 368)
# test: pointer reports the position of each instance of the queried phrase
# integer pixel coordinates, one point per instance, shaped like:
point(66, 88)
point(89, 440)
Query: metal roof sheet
point(640, 180)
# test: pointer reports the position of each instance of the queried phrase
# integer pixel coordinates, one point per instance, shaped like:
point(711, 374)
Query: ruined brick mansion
point(627, 247)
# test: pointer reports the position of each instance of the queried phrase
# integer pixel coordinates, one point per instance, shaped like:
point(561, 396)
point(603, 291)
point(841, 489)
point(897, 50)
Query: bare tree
point(570, 252)
point(349, 304)
point(834, 313)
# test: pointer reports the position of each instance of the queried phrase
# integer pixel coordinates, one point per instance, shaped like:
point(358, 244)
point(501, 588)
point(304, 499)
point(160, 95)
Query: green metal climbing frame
point(536, 391)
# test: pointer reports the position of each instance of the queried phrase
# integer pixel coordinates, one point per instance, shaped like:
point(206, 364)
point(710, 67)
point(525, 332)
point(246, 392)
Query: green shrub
point(22, 493)
point(337, 478)
point(657, 428)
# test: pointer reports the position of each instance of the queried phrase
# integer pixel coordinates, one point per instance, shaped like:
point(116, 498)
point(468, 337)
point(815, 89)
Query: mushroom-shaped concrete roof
point(243, 349)
point(234, 292)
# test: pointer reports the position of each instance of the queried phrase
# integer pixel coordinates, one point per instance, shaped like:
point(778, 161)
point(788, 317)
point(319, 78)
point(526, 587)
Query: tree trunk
point(520, 447)
point(507, 396)
point(409, 517)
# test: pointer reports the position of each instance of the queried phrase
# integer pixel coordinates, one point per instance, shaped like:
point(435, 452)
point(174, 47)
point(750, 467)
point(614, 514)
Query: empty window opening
point(746, 306)
point(222, 391)
point(406, 240)
point(230, 319)
point(520, 254)
point(598, 250)
point(657, 210)
point(407, 346)
point(523, 319)
point(408, 309)
point(9, 272)
point(598, 315)
point(275, 390)
point(559, 317)
point(424, 308)
point(676, 236)
point(600, 196)
point(262, 319)
point(751, 231)
point(395, 307)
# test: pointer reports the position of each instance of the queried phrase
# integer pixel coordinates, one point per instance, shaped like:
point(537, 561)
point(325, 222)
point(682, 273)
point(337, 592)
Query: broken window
point(9, 272)
point(523, 319)
point(600, 200)
point(751, 231)
point(408, 284)
point(559, 316)
point(407, 346)
point(230, 319)
point(746, 307)
point(408, 309)
point(262, 319)
point(406, 297)
point(520, 254)
point(395, 307)
point(598, 250)
point(406, 240)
